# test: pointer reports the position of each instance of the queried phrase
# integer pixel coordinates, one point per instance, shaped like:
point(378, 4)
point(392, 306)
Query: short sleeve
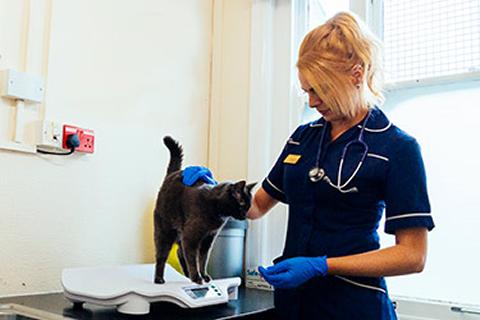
point(273, 183)
point(406, 197)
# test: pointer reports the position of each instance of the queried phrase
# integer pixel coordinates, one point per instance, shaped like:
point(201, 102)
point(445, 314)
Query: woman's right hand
point(262, 202)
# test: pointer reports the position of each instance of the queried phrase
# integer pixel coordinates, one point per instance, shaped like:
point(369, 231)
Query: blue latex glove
point(291, 273)
point(192, 174)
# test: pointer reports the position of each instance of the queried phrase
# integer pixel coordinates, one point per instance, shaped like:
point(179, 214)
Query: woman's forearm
point(262, 202)
point(407, 256)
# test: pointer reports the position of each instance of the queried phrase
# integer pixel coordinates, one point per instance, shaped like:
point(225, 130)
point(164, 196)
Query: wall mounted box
point(22, 86)
point(49, 134)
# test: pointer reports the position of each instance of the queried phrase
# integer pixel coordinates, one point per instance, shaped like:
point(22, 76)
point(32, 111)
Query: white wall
point(133, 71)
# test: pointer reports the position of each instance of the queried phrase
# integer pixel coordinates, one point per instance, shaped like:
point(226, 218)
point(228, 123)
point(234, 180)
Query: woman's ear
point(357, 75)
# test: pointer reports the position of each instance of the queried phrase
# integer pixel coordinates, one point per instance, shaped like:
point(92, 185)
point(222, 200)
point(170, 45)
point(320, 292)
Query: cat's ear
point(237, 189)
point(240, 185)
point(250, 186)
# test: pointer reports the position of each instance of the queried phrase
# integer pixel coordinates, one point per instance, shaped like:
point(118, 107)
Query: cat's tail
point(176, 154)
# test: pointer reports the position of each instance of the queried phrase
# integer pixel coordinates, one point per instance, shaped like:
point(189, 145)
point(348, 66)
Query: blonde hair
point(327, 56)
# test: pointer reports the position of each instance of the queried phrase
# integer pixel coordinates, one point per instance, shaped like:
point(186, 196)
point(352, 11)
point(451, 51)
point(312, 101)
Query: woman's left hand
point(291, 273)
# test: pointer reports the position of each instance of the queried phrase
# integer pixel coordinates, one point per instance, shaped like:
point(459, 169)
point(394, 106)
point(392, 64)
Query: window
point(427, 44)
point(431, 40)
point(319, 11)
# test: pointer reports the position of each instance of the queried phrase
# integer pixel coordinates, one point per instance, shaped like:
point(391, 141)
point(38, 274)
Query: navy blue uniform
point(327, 220)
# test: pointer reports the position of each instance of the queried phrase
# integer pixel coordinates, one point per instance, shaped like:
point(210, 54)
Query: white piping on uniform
point(361, 284)
point(378, 130)
point(291, 141)
point(274, 187)
point(373, 155)
point(408, 215)
point(314, 125)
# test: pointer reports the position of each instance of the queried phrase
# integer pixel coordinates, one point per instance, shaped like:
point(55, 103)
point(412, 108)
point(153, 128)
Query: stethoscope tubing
point(316, 171)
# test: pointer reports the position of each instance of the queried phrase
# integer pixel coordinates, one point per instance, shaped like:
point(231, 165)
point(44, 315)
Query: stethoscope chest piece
point(316, 174)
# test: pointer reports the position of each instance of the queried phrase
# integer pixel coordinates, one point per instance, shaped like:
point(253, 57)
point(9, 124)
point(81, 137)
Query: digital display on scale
point(204, 292)
point(199, 292)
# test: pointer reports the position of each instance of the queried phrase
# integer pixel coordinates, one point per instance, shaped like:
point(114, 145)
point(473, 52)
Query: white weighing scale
point(131, 288)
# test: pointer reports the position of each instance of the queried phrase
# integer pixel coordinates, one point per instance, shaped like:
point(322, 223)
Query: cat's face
point(242, 195)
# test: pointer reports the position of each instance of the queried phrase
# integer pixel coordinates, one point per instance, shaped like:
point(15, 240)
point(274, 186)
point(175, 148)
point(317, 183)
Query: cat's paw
point(197, 279)
point(159, 280)
point(206, 277)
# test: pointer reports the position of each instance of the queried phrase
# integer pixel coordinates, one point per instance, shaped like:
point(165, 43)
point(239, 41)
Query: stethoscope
point(316, 173)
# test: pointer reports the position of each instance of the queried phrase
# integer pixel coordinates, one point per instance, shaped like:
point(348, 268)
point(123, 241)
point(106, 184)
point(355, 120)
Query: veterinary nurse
point(338, 175)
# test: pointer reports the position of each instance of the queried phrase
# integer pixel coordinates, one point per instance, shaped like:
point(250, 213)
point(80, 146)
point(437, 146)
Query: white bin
point(227, 255)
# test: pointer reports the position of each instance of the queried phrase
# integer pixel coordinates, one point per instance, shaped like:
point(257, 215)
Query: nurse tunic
point(327, 220)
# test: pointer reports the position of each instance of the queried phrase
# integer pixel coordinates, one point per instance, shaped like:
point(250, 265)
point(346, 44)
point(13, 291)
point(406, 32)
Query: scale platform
point(131, 288)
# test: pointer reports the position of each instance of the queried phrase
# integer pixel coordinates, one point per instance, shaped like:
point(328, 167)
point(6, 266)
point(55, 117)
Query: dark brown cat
point(193, 216)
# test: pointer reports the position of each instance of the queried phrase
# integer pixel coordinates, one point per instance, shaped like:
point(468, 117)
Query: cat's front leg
point(204, 251)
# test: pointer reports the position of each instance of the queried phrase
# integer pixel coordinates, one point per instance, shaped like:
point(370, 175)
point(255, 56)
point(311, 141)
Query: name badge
point(292, 158)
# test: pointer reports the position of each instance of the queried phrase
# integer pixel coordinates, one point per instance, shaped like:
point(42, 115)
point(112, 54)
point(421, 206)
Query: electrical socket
point(86, 137)
point(49, 135)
